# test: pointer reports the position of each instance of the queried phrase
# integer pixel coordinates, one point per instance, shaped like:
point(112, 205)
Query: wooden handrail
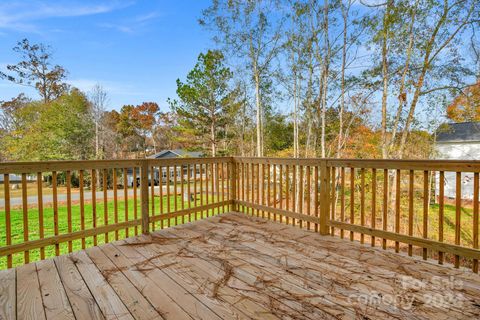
point(304, 192)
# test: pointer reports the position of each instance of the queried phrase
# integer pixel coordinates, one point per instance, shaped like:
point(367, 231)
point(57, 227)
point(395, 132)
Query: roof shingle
point(459, 132)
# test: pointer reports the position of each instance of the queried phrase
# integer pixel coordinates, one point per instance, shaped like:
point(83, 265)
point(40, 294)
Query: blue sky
point(135, 49)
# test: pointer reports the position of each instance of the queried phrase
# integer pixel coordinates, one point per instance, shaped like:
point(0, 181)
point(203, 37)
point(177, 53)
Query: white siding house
point(458, 141)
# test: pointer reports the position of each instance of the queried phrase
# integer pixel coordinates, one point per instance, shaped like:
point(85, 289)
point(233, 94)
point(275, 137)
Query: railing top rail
point(47, 166)
point(65, 165)
point(437, 165)
point(60, 165)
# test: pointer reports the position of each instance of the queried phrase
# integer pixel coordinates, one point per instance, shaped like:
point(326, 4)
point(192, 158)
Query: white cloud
point(131, 25)
point(118, 27)
point(112, 87)
point(23, 16)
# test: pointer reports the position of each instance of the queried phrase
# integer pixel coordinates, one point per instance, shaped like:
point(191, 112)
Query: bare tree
point(99, 99)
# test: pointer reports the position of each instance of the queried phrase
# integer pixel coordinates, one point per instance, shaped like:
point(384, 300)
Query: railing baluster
point(362, 202)
point(135, 203)
point(182, 192)
point(94, 203)
point(115, 201)
point(195, 189)
point(258, 187)
point(287, 191)
point(206, 190)
point(333, 198)
point(105, 202)
point(352, 200)
point(167, 171)
point(342, 201)
point(175, 190)
point(252, 186)
point(152, 194)
point(26, 254)
point(201, 189)
point(8, 222)
point(458, 208)
point(189, 193)
point(316, 204)
point(397, 207)
point(41, 226)
point(425, 210)
point(308, 195)
point(476, 185)
point(144, 198)
point(55, 210)
point(280, 185)
point(294, 192)
point(69, 208)
point(300, 193)
point(324, 198)
point(385, 206)
point(374, 204)
point(225, 176)
point(214, 187)
point(441, 212)
point(274, 167)
point(411, 187)
point(125, 197)
point(161, 210)
point(82, 205)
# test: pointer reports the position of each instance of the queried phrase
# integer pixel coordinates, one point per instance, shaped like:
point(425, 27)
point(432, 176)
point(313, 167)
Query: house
point(13, 178)
point(176, 153)
point(168, 154)
point(458, 141)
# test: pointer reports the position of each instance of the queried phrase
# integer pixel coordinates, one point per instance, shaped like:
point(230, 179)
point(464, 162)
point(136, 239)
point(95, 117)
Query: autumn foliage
point(466, 107)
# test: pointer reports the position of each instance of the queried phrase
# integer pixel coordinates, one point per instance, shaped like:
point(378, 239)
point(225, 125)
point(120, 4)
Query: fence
point(397, 205)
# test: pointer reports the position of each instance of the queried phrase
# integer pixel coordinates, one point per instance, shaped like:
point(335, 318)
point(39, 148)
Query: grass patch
point(17, 226)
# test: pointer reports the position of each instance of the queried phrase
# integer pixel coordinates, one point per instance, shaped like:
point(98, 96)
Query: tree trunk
point(402, 97)
point(342, 81)
point(258, 113)
point(385, 77)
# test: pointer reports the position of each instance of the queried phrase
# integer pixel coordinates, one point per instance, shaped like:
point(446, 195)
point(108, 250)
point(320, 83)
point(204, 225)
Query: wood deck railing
point(424, 208)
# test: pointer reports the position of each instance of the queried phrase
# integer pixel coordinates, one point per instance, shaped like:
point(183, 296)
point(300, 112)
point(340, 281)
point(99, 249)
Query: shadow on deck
point(234, 266)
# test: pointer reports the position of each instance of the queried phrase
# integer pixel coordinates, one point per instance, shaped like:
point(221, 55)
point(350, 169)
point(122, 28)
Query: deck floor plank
point(55, 300)
point(164, 305)
point(81, 299)
point(29, 297)
point(250, 247)
point(259, 259)
point(8, 297)
point(235, 266)
point(200, 281)
point(244, 282)
point(191, 305)
point(279, 296)
point(355, 257)
point(136, 303)
point(111, 305)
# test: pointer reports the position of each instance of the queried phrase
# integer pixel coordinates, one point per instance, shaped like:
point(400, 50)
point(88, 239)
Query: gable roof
point(176, 153)
point(459, 132)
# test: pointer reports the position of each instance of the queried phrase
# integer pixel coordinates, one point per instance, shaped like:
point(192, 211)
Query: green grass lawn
point(466, 218)
point(33, 224)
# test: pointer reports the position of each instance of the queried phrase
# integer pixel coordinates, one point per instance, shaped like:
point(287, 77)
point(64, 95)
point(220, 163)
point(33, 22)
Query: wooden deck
point(235, 266)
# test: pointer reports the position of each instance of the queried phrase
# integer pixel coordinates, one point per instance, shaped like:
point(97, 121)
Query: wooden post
point(144, 197)
point(324, 197)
